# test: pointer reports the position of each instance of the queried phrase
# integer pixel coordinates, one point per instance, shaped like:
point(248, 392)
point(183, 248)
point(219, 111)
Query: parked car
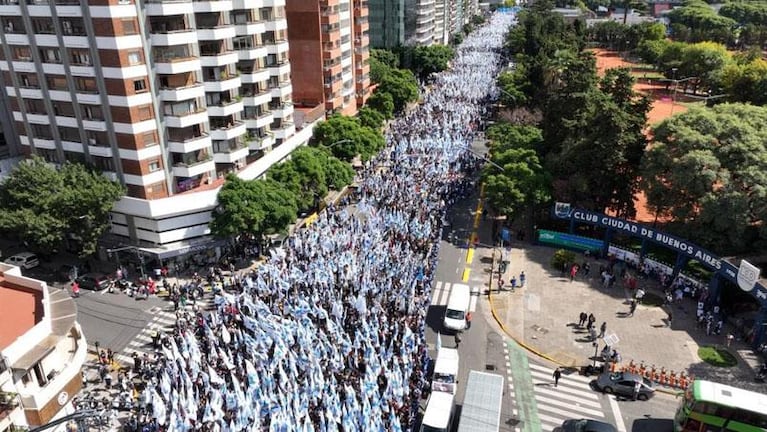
point(622, 384)
point(25, 260)
point(93, 281)
point(585, 425)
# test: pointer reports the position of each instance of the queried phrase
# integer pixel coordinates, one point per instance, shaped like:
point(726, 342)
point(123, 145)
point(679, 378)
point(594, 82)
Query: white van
point(457, 306)
point(445, 378)
point(439, 413)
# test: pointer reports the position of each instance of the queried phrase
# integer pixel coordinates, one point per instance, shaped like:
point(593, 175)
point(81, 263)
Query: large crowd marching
point(329, 335)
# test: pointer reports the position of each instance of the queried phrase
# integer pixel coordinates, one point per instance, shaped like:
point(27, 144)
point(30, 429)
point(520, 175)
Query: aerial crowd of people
point(328, 335)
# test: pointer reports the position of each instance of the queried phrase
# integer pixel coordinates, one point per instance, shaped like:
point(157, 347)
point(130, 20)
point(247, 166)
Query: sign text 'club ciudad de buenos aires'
point(746, 277)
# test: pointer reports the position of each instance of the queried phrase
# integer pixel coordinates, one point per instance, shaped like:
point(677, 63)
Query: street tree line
point(703, 170)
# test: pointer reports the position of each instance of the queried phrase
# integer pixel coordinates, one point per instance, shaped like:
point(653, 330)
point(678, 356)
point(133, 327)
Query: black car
point(93, 281)
point(623, 384)
point(585, 425)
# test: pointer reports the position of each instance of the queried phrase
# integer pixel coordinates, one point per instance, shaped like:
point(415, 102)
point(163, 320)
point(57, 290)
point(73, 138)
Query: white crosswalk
point(164, 320)
point(441, 294)
point(573, 398)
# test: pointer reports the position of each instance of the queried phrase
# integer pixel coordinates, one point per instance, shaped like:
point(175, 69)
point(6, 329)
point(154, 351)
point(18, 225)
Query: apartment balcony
point(193, 91)
point(361, 26)
point(264, 119)
point(228, 132)
point(231, 154)
point(277, 47)
point(282, 91)
point(175, 37)
point(168, 7)
point(283, 110)
point(171, 65)
point(274, 3)
point(190, 144)
point(217, 33)
point(285, 131)
point(10, 407)
point(213, 5)
point(193, 169)
point(250, 28)
point(259, 143)
point(361, 54)
point(276, 25)
point(223, 84)
point(10, 8)
point(331, 53)
point(363, 40)
point(332, 70)
point(183, 120)
point(258, 99)
point(17, 39)
point(329, 18)
point(361, 10)
point(225, 108)
point(222, 58)
point(279, 69)
point(333, 87)
point(255, 76)
point(252, 53)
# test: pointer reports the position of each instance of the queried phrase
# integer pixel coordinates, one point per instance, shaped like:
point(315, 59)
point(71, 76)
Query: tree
point(699, 22)
point(337, 172)
point(402, 85)
point(386, 57)
point(746, 82)
point(521, 183)
point(47, 207)
point(304, 175)
point(345, 137)
point(705, 169)
point(505, 135)
point(370, 117)
point(252, 207)
point(425, 60)
point(383, 103)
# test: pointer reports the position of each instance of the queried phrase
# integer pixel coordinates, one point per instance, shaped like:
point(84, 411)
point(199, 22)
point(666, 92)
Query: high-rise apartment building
point(164, 96)
point(329, 52)
point(442, 22)
point(401, 22)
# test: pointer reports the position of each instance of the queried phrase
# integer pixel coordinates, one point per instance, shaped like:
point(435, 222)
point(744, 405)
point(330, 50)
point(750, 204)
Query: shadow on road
point(652, 425)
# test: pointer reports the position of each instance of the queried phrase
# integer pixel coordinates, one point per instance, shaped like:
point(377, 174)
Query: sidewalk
point(542, 318)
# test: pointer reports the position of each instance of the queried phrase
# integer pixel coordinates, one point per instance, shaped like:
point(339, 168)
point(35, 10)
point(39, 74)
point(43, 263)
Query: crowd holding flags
point(330, 335)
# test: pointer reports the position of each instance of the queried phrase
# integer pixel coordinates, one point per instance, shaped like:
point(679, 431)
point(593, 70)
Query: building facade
point(329, 51)
point(164, 96)
point(401, 22)
point(42, 351)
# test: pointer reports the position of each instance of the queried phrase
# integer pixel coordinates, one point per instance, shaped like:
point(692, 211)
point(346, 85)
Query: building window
point(21, 53)
point(80, 57)
point(57, 83)
point(64, 109)
point(149, 139)
point(87, 85)
point(129, 26)
point(28, 80)
point(50, 55)
point(69, 134)
point(139, 85)
point(42, 131)
point(92, 112)
point(97, 138)
point(103, 163)
point(73, 27)
point(134, 58)
point(145, 112)
point(154, 166)
point(35, 106)
point(43, 25)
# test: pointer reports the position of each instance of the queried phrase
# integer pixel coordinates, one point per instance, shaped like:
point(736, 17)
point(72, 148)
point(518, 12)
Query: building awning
point(37, 353)
point(184, 247)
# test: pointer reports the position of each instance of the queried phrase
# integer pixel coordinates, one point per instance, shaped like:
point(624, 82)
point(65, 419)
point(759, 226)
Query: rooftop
point(20, 308)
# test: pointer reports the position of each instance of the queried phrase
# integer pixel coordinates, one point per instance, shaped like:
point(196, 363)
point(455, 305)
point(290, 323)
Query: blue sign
point(506, 234)
point(691, 250)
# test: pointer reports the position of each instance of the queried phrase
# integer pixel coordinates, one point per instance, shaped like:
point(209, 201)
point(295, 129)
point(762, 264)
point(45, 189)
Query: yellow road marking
point(470, 255)
point(466, 272)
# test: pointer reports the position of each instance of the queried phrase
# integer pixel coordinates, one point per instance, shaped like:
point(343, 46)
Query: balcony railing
point(187, 139)
point(193, 162)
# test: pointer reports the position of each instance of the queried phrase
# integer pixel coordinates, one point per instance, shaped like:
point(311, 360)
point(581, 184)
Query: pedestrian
point(582, 319)
point(592, 320)
point(557, 375)
point(522, 279)
point(457, 339)
point(102, 357)
point(513, 283)
point(633, 307)
point(668, 320)
point(730, 338)
point(102, 372)
point(108, 380)
point(75, 289)
point(110, 356)
point(640, 295)
point(602, 329)
point(637, 387)
point(468, 320)
point(573, 272)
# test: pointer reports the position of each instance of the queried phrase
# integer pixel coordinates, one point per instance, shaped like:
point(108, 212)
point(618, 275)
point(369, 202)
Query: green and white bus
point(714, 407)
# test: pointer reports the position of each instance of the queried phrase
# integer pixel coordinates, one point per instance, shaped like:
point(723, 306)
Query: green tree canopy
point(371, 118)
point(746, 82)
point(425, 60)
point(402, 85)
point(696, 21)
point(252, 207)
point(345, 138)
point(522, 182)
point(42, 205)
point(706, 169)
point(383, 103)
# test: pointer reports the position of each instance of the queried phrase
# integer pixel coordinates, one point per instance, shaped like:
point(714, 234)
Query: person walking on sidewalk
point(557, 375)
point(582, 319)
point(602, 329)
point(633, 307)
point(468, 320)
point(592, 320)
point(457, 339)
point(522, 280)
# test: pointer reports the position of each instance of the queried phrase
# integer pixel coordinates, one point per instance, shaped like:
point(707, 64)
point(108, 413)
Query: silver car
point(623, 384)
